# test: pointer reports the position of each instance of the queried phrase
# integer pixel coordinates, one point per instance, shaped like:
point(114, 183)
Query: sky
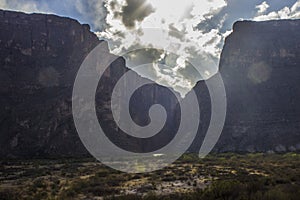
point(178, 37)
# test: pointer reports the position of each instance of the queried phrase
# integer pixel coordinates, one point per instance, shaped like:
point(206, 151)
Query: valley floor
point(221, 176)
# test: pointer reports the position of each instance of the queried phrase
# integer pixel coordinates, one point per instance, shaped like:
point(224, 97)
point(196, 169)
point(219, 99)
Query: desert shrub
point(39, 195)
point(275, 194)
point(168, 178)
point(67, 194)
point(99, 191)
point(102, 173)
point(225, 189)
point(38, 183)
point(8, 194)
point(124, 197)
point(189, 158)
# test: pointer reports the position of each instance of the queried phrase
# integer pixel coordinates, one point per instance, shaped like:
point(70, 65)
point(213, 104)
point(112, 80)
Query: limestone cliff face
point(39, 57)
point(260, 65)
point(41, 54)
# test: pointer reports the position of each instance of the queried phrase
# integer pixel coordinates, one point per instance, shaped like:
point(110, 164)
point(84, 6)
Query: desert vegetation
point(222, 176)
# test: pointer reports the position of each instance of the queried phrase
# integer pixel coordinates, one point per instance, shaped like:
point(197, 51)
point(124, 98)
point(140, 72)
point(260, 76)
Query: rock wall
point(260, 65)
point(39, 57)
point(41, 54)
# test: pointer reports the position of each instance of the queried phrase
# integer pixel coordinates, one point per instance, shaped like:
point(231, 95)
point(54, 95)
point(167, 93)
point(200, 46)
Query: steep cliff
point(41, 54)
point(39, 57)
point(260, 66)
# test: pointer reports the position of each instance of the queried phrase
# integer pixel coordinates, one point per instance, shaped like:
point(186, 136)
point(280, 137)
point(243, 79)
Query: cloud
point(292, 12)
point(135, 11)
point(92, 12)
point(193, 29)
point(262, 8)
point(123, 23)
point(171, 27)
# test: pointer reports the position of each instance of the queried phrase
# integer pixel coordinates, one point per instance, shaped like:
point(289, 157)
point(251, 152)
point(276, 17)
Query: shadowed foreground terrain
point(225, 176)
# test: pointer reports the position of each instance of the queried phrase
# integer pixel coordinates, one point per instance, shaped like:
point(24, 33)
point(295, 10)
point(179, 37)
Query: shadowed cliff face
point(260, 66)
point(41, 54)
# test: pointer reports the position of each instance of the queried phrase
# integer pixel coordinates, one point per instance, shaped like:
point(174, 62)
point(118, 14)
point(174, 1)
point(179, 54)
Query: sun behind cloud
point(159, 24)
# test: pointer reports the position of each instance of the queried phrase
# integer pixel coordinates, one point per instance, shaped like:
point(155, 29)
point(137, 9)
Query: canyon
point(41, 54)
